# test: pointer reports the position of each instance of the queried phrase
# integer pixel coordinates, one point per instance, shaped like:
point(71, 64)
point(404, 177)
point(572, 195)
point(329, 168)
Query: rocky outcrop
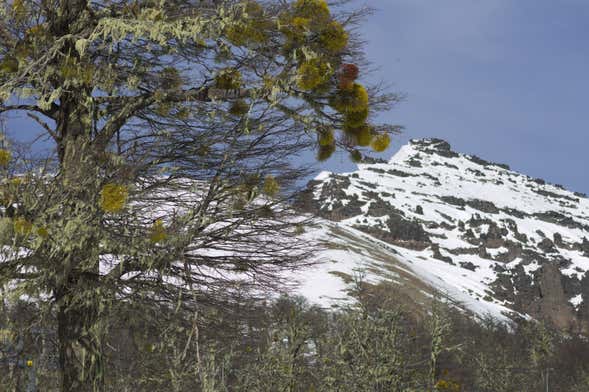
point(528, 237)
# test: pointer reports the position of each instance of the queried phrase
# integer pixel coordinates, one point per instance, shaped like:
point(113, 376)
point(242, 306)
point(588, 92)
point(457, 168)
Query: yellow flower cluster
point(313, 73)
point(5, 157)
point(113, 197)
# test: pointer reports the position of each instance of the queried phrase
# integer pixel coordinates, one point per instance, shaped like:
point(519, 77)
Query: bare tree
point(175, 125)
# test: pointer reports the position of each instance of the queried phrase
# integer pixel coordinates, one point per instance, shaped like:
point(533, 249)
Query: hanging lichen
point(158, 232)
point(313, 73)
point(113, 197)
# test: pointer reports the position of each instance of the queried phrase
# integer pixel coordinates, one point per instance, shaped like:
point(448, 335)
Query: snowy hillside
point(492, 239)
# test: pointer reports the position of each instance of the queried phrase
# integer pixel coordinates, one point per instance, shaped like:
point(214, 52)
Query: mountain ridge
point(502, 238)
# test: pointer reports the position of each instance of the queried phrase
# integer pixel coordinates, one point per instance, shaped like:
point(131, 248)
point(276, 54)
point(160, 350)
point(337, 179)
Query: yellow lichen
point(313, 73)
point(334, 37)
point(113, 197)
point(158, 232)
point(271, 186)
point(5, 157)
point(380, 142)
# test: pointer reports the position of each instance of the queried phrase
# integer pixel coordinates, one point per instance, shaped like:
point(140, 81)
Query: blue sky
point(503, 79)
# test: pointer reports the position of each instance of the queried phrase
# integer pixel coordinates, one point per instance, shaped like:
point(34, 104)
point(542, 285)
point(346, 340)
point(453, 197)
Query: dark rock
point(453, 200)
point(547, 246)
point(468, 265)
point(483, 205)
point(438, 255)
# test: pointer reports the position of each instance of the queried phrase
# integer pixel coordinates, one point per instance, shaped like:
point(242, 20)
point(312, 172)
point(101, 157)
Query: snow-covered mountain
point(435, 222)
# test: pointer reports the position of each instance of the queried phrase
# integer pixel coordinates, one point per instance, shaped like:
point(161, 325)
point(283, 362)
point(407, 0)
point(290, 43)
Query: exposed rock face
point(513, 240)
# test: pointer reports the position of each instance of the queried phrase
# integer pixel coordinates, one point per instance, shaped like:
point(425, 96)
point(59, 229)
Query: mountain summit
point(490, 239)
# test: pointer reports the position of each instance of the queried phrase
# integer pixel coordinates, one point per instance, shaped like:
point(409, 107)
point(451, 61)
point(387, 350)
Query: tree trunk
point(78, 293)
point(80, 356)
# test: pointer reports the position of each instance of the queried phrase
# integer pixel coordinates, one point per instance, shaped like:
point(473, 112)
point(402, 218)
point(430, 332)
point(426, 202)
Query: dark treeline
point(375, 344)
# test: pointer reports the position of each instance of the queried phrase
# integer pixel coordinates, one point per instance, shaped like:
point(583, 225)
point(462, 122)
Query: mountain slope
point(494, 240)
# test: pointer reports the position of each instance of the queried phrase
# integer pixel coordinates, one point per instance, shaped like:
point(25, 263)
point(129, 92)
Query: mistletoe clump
point(228, 79)
point(313, 74)
point(158, 232)
point(251, 28)
point(380, 142)
point(334, 37)
point(113, 197)
point(271, 186)
point(5, 157)
point(325, 137)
